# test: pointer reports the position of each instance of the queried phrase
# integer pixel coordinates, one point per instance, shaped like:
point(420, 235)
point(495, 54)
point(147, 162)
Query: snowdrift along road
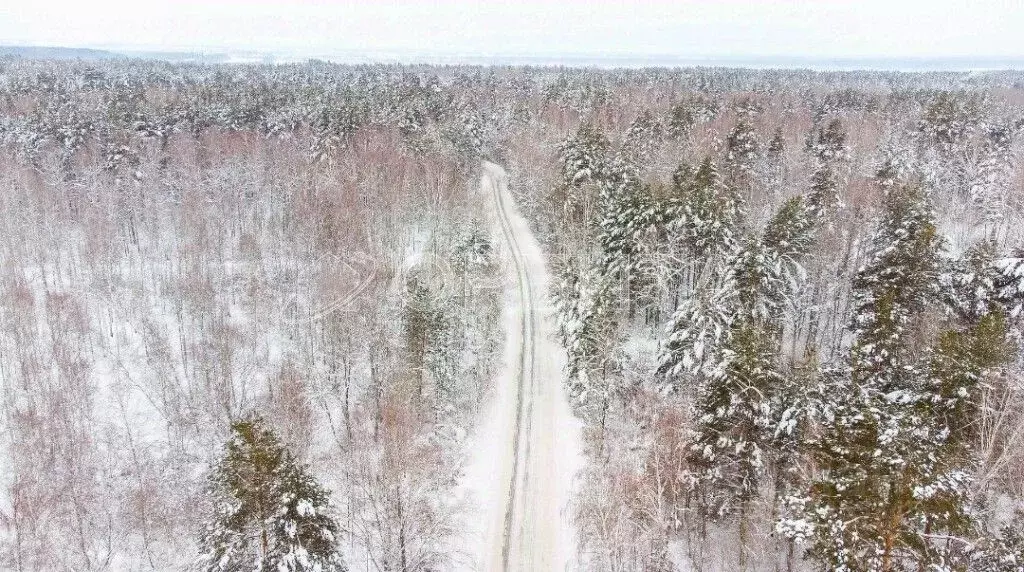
point(528, 446)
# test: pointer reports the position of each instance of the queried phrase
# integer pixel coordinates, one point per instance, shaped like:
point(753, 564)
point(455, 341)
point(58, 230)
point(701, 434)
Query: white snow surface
point(534, 480)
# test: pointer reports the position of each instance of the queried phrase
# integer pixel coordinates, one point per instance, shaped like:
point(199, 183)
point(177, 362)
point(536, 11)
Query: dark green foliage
point(629, 213)
point(690, 112)
point(270, 513)
point(824, 195)
point(892, 445)
point(708, 212)
point(981, 281)
point(427, 326)
point(733, 413)
point(960, 362)
point(584, 156)
point(951, 117)
point(899, 280)
point(777, 146)
point(831, 143)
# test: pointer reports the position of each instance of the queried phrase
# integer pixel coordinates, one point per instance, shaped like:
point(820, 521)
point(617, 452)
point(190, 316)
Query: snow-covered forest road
point(529, 446)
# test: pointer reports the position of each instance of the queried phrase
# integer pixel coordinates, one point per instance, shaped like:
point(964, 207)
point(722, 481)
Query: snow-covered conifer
point(742, 148)
point(991, 183)
point(733, 420)
point(642, 139)
point(584, 156)
point(690, 112)
point(585, 325)
point(708, 213)
point(270, 514)
point(885, 482)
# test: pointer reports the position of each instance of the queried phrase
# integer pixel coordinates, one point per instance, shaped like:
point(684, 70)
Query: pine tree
point(426, 326)
point(742, 152)
point(1003, 553)
point(829, 152)
point(776, 163)
point(697, 333)
point(950, 118)
point(785, 242)
point(586, 325)
point(628, 213)
point(981, 281)
point(882, 479)
point(990, 185)
point(733, 413)
point(725, 338)
point(708, 214)
point(689, 113)
point(831, 143)
point(777, 146)
point(270, 514)
point(900, 279)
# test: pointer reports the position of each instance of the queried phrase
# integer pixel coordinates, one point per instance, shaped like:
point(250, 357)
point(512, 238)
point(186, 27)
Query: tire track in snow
point(540, 436)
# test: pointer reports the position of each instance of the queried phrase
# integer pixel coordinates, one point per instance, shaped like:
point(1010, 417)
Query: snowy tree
point(584, 156)
point(733, 413)
point(829, 153)
point(1003, 553)
point(981, 281)
point(886, 483)
point(951, 117)
point(742, 150)
point(642, 139)
point(991, 183)
point(774, 266)
point(690, 112)
point(707, 213)
point(697, 332)
point(830, 145)
point(586, 326)
point(775, 168)
point(426, 324)
point(899, 280)
point(726, 339)
point(751, 285)
point(777, 146)
point(270, 514)
point(628, 212)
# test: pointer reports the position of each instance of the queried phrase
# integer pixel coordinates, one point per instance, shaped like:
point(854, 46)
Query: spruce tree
point(270, 514)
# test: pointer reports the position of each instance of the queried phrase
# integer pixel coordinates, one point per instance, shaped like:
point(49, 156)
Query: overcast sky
point(818, 29)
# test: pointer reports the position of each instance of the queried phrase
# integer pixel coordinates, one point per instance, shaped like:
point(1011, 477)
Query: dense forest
point(250, 314)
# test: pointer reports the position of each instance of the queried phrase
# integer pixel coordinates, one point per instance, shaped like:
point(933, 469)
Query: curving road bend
point(534, 435)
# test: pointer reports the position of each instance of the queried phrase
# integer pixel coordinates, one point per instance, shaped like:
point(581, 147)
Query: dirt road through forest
point(531, 442)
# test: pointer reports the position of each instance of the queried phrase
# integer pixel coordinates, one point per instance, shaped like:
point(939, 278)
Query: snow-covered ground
point(527, 448)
